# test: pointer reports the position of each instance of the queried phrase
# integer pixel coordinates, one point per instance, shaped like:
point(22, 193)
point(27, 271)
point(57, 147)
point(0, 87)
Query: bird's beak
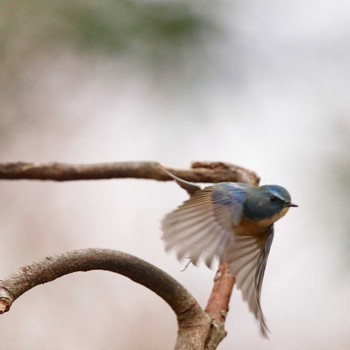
point(291, 205)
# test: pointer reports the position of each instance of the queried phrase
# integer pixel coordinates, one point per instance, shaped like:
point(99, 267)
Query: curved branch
point(194, 324)
point(50, 268)
point(200, 172)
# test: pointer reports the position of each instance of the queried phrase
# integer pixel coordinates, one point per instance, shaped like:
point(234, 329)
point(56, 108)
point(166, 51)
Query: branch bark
point(194, 323)
point(218, 305)
point(200, 172)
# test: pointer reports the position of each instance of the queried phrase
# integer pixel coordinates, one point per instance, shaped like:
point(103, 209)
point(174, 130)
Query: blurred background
point(264, 85)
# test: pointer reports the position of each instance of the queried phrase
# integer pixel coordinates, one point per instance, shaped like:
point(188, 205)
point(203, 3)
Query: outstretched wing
point(202, 227)
point(248, 257)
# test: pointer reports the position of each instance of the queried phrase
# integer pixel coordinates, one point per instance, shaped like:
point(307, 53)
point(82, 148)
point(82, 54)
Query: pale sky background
point(264, 85)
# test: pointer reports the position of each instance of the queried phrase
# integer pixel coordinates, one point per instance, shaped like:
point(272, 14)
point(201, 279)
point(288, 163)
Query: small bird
point(231, 222)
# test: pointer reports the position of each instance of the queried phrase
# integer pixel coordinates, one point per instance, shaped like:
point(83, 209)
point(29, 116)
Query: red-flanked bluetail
point(232, 222)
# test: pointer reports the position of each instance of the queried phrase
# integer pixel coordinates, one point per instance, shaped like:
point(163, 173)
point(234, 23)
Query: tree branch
point(200, 172)
point(218, 304)
point(50, 268)
point(194, 323)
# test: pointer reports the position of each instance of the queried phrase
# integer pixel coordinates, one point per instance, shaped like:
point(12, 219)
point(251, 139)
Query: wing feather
point(198, 228)
point(248, 257)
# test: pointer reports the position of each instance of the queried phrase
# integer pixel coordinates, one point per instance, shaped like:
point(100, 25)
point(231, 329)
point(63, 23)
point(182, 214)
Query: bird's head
point(268, 201)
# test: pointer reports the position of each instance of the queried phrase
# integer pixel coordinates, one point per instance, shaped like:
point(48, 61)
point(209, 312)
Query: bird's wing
point(202, 227)
point(247, 257)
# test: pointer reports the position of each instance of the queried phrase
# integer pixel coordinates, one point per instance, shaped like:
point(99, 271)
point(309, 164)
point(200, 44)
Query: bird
point(231, 222)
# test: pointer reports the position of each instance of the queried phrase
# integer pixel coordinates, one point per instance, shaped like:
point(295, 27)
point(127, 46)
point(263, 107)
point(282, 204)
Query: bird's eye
point(274, 199)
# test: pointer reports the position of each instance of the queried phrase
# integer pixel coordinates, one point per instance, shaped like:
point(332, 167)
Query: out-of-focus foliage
point(143, 29)
point(163, 38)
